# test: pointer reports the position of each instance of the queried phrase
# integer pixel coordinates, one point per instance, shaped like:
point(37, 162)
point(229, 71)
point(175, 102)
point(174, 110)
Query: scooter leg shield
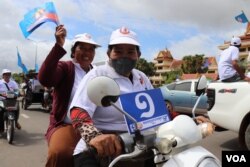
point(193, 157)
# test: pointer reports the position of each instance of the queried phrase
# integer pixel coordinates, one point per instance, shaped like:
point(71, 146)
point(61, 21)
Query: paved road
point(221, 141)
point(30, 148)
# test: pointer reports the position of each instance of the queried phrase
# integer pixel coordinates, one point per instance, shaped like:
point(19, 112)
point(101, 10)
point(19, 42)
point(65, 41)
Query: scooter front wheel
point(10, 131)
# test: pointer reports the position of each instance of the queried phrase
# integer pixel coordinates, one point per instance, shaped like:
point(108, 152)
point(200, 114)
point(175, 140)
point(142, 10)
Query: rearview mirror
point(102, 90)
point(201, 86)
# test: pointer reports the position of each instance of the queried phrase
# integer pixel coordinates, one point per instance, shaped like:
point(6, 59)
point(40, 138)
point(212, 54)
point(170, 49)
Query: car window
point(183, 86)
point(171, 86)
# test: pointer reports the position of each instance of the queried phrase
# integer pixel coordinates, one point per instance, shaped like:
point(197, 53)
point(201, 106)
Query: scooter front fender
point(11, 116)
point(193, 157)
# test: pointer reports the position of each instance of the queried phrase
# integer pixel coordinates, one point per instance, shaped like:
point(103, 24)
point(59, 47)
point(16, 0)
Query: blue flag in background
point(36, 68)
point(20, 63)
point(241, 18)
point(36, 17)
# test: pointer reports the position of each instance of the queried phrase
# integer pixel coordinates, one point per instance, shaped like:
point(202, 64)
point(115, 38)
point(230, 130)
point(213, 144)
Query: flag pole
point(36, 57)
point(17, 52)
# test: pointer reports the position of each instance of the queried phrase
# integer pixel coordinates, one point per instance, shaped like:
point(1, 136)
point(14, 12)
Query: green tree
point(243, 65)
point(192, 64)
point(18, 77)
point(172, 75)
point(146, 67)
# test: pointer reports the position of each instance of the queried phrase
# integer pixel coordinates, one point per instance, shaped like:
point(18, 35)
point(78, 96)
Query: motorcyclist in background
point(7, 84)
point(46, 96)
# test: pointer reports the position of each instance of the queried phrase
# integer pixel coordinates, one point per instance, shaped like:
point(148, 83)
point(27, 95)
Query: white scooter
point(168, 141)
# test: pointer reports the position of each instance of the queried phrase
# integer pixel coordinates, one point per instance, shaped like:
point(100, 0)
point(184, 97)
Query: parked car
point(180, 97)
point(229, 108)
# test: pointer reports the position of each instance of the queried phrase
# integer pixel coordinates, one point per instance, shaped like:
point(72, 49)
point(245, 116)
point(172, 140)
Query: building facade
point(245, 45)
point(164, 62)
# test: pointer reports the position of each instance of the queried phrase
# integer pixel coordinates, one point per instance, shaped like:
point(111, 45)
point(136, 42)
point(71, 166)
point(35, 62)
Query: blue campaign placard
point(147, 107)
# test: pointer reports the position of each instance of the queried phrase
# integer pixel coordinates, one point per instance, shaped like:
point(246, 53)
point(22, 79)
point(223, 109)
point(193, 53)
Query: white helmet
point(4, 71)
point(86, 38)
point(235, 41)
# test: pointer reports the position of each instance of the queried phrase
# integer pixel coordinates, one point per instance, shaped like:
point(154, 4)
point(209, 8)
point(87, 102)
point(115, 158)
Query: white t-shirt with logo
point(107, 118)
point(225, 68)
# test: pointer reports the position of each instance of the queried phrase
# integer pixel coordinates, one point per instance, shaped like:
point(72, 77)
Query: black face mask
point(123, 66)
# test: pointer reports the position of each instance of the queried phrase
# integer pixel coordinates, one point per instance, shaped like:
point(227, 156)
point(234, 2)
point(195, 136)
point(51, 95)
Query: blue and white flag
point(36, 17)
point(241, 18)
point(36, 68)
point(20, 63)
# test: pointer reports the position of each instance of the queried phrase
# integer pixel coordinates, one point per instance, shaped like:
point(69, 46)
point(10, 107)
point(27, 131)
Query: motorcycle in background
point(9, 106)
point(48, 100)
point(32, 95)
point(26, 94)
point(168, 141)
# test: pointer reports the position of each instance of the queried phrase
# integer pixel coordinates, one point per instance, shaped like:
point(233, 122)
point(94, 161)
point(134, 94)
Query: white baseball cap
point(86, 38)
point(4, 71)
point(123, 36)
point(235, 41)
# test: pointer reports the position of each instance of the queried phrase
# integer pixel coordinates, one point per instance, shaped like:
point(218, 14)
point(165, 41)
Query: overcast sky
point(185, 27)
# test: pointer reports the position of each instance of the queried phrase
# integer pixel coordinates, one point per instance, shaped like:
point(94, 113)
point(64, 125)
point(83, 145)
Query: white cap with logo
point(123, 36)
point(86, 38)
point(235, 41)
point(4, 71)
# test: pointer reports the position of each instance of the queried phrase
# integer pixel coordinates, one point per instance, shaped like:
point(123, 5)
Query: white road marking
point(25, 116)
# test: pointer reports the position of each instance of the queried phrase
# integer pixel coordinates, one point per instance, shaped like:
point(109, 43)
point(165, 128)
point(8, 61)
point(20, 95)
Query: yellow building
point(245, 44)
point(164, 62)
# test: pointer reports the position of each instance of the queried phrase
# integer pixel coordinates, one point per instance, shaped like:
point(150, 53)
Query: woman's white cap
point(4, 71)
point(86, 38)
point(123, 36)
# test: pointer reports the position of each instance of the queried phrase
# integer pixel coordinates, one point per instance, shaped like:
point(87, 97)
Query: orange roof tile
point(176, 64)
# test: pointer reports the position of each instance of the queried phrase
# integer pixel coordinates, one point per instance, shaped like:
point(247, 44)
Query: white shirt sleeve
point(2, 86)
point(235, 54)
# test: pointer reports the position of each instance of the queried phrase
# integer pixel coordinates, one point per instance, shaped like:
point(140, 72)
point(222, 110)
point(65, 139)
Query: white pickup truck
point(229, 108)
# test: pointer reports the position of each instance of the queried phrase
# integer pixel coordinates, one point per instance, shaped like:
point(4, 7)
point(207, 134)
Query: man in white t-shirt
point(229, 69)
point(7, 84)
point(97, 125)
point(6, 79)
point(36, 85)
